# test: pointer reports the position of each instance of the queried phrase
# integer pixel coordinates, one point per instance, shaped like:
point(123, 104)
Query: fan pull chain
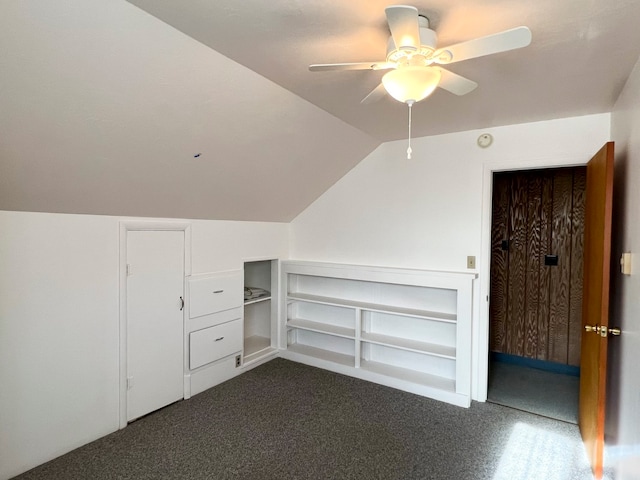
point(409, 151)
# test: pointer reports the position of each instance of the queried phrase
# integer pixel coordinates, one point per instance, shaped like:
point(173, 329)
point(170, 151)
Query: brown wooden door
point(595, 304)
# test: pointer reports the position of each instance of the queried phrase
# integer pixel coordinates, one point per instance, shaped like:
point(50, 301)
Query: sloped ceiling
point(104, 109)
point(581, 54)
point(206, 109)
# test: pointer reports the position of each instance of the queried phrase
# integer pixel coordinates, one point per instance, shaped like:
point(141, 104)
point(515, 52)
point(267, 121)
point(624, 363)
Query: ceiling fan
point(414, 58)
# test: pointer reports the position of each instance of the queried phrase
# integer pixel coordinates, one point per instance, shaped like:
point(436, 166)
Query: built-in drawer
point(213, 343)
point(214, 293)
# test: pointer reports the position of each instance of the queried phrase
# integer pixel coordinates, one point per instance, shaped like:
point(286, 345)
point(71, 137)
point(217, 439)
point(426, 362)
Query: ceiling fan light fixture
point(411, 83)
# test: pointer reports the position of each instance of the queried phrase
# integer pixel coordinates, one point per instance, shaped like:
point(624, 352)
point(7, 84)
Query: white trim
point(126, 226)
point(481, 334)
point(261, 258)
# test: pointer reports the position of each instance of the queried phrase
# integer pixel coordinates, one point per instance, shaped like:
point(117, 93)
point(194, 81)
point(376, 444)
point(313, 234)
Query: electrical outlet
point(237, 361)
point(471, 261)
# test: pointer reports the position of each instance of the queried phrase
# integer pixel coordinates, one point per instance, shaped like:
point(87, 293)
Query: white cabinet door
point(154, 320)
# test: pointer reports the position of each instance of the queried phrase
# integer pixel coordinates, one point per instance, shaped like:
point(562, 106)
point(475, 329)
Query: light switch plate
point(625, 263)
point(471, 261)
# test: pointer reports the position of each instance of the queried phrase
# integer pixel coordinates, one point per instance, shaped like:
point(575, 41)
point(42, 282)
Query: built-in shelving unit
point(260, 310)
point(409, 329)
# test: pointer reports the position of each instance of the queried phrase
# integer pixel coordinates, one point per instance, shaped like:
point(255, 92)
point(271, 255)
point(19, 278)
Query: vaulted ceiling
point(580, 56)
point(206, 109)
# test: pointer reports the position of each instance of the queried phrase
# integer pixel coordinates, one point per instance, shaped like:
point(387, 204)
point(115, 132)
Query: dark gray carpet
point(552, 395)
point(285, 420)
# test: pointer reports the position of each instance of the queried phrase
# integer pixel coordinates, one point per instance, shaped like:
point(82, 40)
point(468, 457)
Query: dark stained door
point(595, 310)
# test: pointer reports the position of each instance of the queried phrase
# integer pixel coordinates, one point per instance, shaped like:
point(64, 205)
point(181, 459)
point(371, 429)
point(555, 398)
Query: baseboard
point(535, 363)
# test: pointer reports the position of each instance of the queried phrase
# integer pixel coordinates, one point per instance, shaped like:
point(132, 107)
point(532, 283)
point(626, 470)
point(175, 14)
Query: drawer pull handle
point(218, 339)
point(218, 291)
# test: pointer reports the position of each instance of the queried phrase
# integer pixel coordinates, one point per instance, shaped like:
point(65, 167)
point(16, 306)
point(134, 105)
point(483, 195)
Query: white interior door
point(155, 284)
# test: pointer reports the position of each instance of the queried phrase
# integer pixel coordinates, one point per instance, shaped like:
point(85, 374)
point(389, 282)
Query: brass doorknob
point(602, 330)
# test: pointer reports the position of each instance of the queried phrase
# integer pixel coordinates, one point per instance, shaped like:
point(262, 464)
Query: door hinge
point(129, 383)
point(128, 269)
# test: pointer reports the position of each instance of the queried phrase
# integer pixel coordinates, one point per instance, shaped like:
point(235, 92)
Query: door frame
point(480, 339)
point(125, 227)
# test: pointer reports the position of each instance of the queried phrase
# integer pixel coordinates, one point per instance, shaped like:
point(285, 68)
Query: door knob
point(614, 332)
point(602, 330)
point(592, 328)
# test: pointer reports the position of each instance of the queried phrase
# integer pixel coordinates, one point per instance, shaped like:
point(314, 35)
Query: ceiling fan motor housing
point(402, 55)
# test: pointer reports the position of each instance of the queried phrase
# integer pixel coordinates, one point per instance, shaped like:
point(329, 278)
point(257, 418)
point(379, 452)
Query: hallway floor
point(553, 395)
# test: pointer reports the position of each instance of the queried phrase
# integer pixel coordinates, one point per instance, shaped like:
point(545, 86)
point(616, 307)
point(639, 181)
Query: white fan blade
point(324, 67)
point(499, 42)
point(454, 83)
point(403, 23)
point(375, 95)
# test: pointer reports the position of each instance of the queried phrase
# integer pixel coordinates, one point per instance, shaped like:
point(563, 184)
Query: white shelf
point(421, 323)
point(255, 344)
point(319, 353)
point(248, 359)
point(420, 378)
point(322, 328)
point(410, 344)
point(260, 327)
point(256, 300)
point(373, 307)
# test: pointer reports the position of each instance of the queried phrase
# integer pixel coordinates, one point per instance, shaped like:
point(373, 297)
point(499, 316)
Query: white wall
point(427, 212)
point(58, 335)
point(435, 210)
point(59, 323)
point(623, 414)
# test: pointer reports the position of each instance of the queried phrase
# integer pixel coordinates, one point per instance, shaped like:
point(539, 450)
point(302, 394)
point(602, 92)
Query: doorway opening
point(535, 305)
